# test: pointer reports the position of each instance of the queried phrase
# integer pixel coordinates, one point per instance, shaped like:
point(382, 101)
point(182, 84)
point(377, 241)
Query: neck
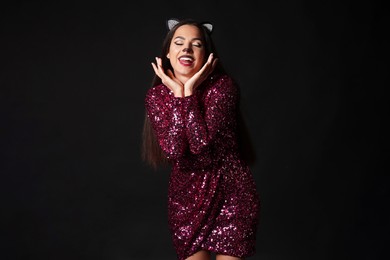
point(182, 78)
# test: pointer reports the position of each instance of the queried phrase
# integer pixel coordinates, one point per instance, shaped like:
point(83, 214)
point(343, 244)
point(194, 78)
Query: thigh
point(200, 255)
point(228, 257)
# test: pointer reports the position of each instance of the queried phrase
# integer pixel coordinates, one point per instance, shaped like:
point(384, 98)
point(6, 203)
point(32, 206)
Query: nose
point(187, 49)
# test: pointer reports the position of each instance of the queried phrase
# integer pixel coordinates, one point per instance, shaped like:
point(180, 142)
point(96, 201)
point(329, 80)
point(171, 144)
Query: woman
point(191, 122)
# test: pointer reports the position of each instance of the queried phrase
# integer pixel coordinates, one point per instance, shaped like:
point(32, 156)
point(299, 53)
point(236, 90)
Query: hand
point(168, 79)
point(200, 76)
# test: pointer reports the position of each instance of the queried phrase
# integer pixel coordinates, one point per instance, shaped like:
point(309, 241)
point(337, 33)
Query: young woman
point(192, 122)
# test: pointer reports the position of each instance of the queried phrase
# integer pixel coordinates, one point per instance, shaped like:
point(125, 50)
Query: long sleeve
point(219, 114)
point(166, 117)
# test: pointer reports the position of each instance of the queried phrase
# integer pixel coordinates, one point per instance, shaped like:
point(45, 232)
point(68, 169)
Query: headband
point(173, 21)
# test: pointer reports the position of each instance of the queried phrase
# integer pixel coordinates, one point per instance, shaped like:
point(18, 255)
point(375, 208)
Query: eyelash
point(196, 45)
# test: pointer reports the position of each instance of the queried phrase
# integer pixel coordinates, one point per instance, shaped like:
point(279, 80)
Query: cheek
point(172, 53)
point(201, 57)
point(174, 49)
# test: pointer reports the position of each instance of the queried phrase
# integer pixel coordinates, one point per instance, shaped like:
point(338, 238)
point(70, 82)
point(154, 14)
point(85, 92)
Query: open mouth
point(186, 60)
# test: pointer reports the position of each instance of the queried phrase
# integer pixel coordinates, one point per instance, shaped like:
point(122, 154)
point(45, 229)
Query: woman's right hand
point(168, 79)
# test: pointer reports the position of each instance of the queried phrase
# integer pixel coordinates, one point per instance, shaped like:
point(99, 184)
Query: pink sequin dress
point(212, 199)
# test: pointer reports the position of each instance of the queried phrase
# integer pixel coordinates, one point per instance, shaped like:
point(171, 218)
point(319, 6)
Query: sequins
point(212, 199)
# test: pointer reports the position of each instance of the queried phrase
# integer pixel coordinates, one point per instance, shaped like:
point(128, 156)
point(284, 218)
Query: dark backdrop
point(73, 78)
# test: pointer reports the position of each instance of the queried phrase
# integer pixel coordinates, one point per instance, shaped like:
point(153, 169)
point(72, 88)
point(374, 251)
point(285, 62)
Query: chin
point(186, 73)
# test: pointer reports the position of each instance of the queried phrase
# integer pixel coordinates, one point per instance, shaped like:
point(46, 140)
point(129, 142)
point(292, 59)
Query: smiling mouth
point(186, 60)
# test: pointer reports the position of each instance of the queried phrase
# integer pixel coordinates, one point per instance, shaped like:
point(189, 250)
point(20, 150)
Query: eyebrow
point(182, 38)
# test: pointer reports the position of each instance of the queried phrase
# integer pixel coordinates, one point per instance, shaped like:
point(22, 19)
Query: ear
point(168, 55)
point(208, 26)
point(172, 22)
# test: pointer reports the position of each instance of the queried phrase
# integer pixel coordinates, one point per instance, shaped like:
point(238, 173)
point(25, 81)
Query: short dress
point(213, 203)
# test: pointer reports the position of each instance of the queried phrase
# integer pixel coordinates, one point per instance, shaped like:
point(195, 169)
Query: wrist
point(178, 93)
point(188, 91)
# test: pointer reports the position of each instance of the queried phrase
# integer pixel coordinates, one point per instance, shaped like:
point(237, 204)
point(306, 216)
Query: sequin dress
point(212, 199)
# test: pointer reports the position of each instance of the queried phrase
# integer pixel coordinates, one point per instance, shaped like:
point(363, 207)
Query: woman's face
point(186, 52)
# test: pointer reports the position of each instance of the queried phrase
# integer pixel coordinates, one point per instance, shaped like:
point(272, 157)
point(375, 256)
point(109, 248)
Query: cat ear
point(208, 26)
point(172, 22)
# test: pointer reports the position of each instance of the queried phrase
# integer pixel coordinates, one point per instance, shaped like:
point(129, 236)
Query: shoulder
point(160, 88)
point(157, 92)
point(219, 79)
point(223, 83)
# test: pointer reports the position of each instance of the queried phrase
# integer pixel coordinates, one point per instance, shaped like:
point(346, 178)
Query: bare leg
point(201, 255)
point(228, 257)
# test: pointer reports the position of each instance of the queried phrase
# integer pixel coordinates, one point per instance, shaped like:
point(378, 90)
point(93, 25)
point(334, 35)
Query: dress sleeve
point(165, 114)
point(219, 114)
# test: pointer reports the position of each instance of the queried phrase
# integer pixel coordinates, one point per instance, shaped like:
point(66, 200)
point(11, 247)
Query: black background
point(73, 79)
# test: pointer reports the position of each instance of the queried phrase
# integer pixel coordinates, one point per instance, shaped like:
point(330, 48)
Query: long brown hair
point(151, 150)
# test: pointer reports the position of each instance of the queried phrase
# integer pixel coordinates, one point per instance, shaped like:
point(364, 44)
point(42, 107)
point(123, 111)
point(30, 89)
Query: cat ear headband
point(173, 21)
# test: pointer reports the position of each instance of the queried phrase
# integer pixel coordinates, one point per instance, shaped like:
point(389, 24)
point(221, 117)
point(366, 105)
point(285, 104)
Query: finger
point(208, 68)
point(210, 59)
point(159, 61)
point(206, 64)
point(160, 68)
point(215, 61)
point(156, 70)
point(154, 66)
point(205, 67)
point(158, 65)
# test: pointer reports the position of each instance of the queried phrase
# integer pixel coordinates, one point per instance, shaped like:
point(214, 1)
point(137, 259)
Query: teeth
point(186, 58)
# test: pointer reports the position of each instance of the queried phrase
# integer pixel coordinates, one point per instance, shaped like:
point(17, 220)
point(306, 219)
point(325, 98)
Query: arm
point(220, 113)
point(165, 114)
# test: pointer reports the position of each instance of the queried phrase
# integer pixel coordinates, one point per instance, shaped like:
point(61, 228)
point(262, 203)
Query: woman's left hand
point(200, 76)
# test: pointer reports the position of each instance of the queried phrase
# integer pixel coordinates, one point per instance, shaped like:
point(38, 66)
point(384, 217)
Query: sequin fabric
point(213, 203)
